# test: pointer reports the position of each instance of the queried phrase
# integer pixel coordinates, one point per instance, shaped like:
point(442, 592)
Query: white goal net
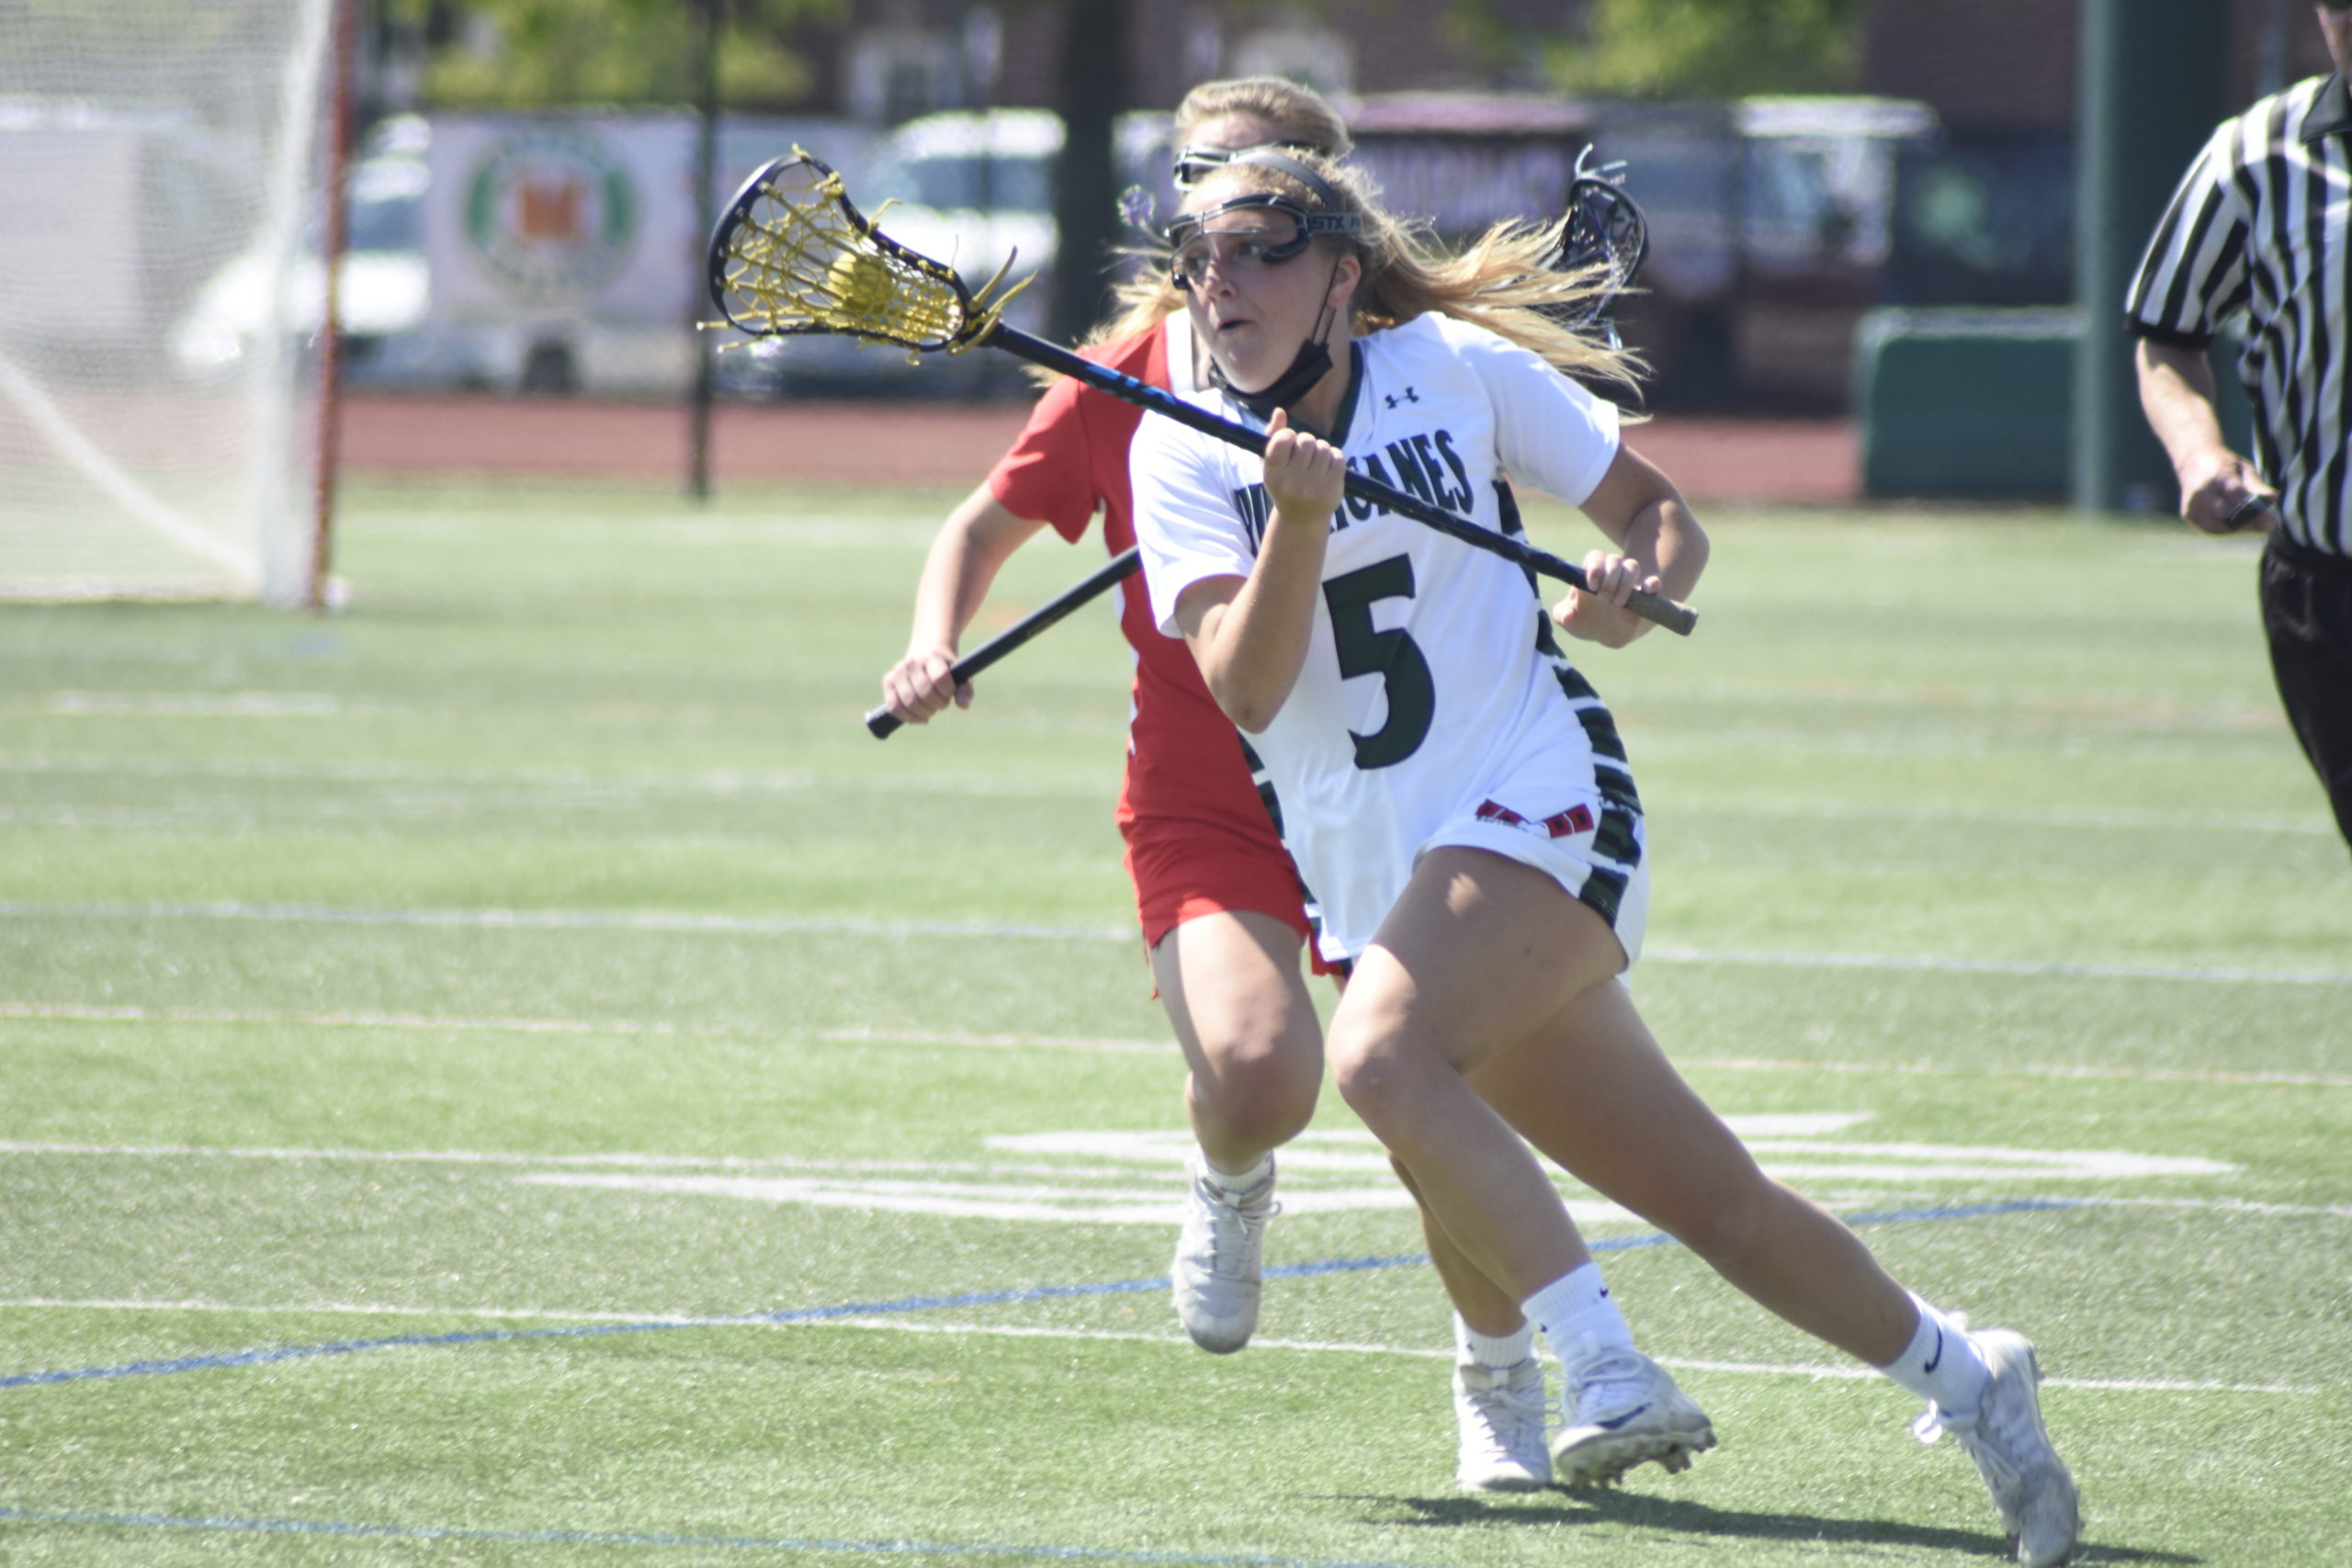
point(162, 165)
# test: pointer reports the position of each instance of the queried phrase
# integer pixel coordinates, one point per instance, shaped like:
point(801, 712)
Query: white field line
point(75, 1013)
point(78, 1012)
point(775, 925)
point(626, 786)
point(200, 704)
point(951, 1037)
point(2116, 819)
point(848, 1169)
point(1844, 1372)
point(87, 1013)
point(246, 770)
point(1669, 954)
point(1928, 1070)
point(466, 527)
point(560, 920)
point(844, 1167)
point(2230, 1206)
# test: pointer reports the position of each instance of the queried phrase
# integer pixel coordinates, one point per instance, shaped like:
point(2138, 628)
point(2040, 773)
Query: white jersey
point(1431, 688)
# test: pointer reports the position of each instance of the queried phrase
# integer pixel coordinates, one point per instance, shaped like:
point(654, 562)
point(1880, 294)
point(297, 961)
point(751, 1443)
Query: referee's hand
point(2227, 497)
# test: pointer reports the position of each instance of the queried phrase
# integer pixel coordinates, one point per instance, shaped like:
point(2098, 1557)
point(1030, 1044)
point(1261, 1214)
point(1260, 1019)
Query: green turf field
point(514, 1074)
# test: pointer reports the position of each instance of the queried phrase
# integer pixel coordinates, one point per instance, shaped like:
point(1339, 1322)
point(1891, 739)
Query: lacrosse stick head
point(1601, 228)
point(791, 255)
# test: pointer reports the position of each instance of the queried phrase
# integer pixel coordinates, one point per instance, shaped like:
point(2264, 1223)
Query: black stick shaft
point(1675, 617)
point(884, 723)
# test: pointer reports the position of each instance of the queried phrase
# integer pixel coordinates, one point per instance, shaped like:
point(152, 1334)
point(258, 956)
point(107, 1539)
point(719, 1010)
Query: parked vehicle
point(974, 189)
point(1771, 219)
point(383, 286)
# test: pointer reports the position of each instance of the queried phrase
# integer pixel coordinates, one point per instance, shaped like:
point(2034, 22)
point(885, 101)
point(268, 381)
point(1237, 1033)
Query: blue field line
point(905, 1305)
point(661, 1537)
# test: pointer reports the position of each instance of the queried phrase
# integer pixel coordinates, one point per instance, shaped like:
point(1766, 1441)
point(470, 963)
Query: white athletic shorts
point(1588, 839)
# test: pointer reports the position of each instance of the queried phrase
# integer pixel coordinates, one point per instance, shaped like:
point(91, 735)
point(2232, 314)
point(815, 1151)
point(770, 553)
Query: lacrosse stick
point(1601, 227)
point(884, 723)
point(791, 256)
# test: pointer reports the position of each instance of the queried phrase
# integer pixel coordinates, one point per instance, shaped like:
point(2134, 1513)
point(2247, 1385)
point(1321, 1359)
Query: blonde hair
point(1301, 118)
point(1304, 116)
point(1503, 282)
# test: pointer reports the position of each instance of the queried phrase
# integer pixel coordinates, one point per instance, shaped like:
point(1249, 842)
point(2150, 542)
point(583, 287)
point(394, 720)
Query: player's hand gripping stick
point(884, 723)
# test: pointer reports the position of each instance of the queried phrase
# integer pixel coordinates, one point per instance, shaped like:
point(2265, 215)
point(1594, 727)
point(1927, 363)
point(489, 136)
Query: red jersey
point(1184, 759)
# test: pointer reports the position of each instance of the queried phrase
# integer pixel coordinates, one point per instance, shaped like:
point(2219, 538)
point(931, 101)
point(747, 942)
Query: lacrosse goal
point(163, 170)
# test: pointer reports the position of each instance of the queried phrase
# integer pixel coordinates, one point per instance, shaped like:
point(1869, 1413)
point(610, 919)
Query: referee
point(2262, 223)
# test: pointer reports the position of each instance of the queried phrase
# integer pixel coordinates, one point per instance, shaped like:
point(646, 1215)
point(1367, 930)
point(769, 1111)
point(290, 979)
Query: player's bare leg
point(1593, 1091)
point(1242, 1011)
point(1502, 1405)
point(1481, 953)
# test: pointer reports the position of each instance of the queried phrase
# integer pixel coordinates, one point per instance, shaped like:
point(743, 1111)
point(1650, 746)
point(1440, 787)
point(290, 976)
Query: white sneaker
point(1216, 1268)
point(2029, 1484)
point(1624, 1411)
point(1501, 1412)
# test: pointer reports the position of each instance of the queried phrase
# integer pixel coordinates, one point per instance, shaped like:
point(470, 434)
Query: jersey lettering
point(1249, 503)
point(1420, 462)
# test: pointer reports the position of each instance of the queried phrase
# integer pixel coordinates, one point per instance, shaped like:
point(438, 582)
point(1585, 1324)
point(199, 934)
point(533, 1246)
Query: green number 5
point(1392, 655)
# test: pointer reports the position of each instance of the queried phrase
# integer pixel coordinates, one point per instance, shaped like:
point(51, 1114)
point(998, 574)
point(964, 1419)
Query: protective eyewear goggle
point(1195, 165)
point(1194, 243)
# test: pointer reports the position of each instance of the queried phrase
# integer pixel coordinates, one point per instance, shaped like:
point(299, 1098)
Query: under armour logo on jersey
point(1410, 397)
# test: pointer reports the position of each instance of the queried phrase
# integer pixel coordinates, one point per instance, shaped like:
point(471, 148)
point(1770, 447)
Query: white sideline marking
point(771, 925)
point(1897, 1162)
point(625, 786)
point(721, 783)
point(366, 1309)
point(201, 705)
point(2152, 1075)
point(893, 1325)
point(1998, 967)
point(2235, 1205)
point(560, 920)
point(468, 1157)
point(527, 782)
point(1106, 1190)
point(76, 1012)
point(2124, 818)
point(85, 1013)
point(1121, 1179)
point(950, 1037)
point(1078, 1197)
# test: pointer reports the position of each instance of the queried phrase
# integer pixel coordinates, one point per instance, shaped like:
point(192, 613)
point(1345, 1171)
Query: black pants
point(2307, 611)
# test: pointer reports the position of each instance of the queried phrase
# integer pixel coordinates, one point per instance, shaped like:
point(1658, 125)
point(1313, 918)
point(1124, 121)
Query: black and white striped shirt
point(2262, 224)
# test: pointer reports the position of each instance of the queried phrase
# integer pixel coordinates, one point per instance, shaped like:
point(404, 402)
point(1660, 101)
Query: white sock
point(1941, 1364)
point(1496, 1352)
point(1578, 1318)
point(1236, 1182)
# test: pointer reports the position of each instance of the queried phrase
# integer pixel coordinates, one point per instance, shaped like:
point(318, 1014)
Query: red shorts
point(1184, 869)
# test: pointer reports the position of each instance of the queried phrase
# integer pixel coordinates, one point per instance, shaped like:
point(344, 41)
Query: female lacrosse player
point(1219, 901)
point(1460, 806)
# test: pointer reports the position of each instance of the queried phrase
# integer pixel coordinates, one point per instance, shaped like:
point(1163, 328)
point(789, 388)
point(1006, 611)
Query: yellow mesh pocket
point(795, 256)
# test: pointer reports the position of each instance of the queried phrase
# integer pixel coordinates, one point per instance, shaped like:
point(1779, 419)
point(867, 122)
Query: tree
point(1711, 48)
point(545, 53)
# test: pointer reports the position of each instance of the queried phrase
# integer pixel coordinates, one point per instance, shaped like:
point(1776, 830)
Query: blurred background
point(1868, 218)
point(1803, 161)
